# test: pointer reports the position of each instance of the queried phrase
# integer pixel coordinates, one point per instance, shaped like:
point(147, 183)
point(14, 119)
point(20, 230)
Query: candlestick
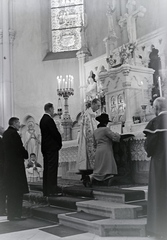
point(160, 88)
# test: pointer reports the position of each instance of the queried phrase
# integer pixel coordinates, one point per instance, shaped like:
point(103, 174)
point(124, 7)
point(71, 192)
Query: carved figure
point(91, 89)
point(110, 10)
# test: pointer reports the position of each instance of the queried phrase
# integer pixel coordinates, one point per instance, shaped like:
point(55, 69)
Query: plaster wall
point(154, 18)
point(34, 79)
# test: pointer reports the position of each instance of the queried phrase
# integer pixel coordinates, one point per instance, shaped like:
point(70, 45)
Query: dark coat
point(14, 154)
point(1, 160)
point(51, 138)
point(156, 148)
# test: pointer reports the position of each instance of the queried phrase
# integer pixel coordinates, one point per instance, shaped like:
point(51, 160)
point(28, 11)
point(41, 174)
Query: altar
point(125, 82)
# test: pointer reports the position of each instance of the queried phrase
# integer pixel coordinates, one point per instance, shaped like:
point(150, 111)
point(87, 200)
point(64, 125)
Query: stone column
point(82, 58)
point(6, 82)
point(1, 77)
point(11, 41)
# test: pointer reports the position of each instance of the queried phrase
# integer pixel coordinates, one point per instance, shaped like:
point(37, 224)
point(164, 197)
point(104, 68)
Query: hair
point(95, 101)
point(32, 154)
point(12, 120)
point(48, 106)
point(160, 103)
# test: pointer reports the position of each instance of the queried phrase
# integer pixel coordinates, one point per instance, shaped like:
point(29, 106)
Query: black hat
point(103, 118)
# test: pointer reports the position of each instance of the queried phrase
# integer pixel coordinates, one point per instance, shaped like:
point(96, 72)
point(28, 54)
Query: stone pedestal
point(67, 160)
point(139, 161)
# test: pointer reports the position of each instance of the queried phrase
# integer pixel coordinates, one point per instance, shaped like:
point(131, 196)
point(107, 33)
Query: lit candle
point(142, 91)
point(63, 83)
point(59, 81)
point(72, 81)
point(160, 88)
point(67, 81)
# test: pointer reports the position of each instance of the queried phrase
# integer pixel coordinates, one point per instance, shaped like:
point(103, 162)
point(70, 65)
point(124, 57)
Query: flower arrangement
point(111, 61)
point(126, 52)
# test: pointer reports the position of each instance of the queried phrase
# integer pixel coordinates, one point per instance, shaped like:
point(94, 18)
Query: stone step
point(49, 213)
point(143, 204)
point(118, 195)
point(102, 226)
point(79, 190)
point(66, 201)
point(109, 209)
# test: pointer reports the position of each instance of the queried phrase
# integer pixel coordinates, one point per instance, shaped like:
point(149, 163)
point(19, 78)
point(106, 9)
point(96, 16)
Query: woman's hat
point(103, 118)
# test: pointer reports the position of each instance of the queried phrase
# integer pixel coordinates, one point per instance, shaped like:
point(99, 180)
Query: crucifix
point(130, 19)
point(111, 40)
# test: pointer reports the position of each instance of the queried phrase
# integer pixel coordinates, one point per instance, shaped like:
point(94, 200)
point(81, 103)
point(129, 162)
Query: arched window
point(67, 17)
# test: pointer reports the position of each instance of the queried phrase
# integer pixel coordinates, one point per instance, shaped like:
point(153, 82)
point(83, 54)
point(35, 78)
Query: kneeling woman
point(105, 166)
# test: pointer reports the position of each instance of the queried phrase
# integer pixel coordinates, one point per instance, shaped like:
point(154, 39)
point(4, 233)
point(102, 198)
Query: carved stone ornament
point(12, 34)
point(126, 69)
point(1, 36)
point(137, 150)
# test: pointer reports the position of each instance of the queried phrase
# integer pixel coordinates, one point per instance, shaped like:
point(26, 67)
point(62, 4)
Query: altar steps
point(104, 211)
point(104, 227)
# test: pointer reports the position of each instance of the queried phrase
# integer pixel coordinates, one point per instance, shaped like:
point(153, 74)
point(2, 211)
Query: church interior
point(68, 52)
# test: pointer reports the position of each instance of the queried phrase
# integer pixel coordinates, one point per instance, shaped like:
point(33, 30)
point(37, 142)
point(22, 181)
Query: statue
point(30, 133)
point(110, 11)
point(91, 89)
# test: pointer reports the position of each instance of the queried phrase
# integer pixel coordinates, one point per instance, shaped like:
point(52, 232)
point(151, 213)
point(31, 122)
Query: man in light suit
point(51, 143)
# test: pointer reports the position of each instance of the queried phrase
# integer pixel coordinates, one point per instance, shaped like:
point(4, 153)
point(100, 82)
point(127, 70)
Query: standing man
point(14, 175)
point(156, 148)
point(2, 192)
point(50, 146)
point(86, 150)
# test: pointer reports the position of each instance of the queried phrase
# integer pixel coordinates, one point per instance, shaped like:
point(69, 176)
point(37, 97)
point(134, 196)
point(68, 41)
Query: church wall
point(35, 80)
point(97, 30)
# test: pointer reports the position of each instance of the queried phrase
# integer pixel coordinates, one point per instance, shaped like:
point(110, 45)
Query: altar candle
point(63, 83)
point(160, 88)
point(142, 91)
point(72, 81)
point(59, 80)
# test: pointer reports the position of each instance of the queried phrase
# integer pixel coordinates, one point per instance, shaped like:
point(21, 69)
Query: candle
point(142, 91)
point(59, 82)
point(72, 81)
point(160, 88)
point(63, 83)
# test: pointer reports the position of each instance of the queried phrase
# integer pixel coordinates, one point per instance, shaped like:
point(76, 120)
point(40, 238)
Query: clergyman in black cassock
point(14, 170)
point(51, 143)
point(156, 148)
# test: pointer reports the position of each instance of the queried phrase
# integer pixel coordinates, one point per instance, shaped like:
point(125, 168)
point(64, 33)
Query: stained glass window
point(66, 22)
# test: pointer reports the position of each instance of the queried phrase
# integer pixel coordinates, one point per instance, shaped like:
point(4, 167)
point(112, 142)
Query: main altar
point(128, 84)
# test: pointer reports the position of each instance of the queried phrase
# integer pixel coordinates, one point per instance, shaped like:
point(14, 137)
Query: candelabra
point(65, 90)
point(143, 106)
point(59, 108)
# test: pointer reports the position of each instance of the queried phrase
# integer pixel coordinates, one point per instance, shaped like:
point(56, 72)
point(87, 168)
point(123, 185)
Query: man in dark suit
point(14, 170)
point(2, 192)
point(50, 145)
